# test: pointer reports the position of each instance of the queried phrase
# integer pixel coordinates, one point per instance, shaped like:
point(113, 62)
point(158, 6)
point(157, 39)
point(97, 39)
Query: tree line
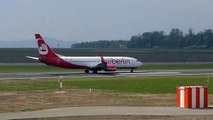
point(176, 39)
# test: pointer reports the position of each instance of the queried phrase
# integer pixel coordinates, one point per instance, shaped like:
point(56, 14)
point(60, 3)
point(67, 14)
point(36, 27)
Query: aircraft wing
point(35, 58)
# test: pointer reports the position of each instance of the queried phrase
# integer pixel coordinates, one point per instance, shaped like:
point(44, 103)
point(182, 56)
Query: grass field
point(21, 68)
point(38, 94)
point(153, 85)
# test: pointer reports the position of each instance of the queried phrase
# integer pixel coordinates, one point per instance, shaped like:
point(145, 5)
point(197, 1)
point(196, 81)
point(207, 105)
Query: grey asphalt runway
point(106, 110)
point(8, 76)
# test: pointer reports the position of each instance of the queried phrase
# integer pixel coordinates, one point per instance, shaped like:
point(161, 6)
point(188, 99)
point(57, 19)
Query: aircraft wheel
point(86, 71)
point(131, 71)
point(94, 71)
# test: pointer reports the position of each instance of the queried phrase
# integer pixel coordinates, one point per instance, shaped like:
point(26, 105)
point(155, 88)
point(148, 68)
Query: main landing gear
point(94, 71)
point(131, 71)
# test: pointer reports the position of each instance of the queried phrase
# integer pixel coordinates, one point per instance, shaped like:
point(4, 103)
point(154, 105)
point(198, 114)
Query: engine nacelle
point(110, 68)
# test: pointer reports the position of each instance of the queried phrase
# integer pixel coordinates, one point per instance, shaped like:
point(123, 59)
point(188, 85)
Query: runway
point(107, 110)
point(11, 76)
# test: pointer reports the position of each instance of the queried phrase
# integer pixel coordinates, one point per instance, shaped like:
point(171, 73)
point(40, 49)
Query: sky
point(92, 20)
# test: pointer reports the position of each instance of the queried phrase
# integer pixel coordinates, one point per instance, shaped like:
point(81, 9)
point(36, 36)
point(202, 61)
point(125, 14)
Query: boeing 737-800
point(94, 64)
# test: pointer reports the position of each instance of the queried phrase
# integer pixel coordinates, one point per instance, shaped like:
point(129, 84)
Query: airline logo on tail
point(43, 50)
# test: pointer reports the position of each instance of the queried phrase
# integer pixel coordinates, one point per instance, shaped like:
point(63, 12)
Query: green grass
point(153, 85)
point(27, 85)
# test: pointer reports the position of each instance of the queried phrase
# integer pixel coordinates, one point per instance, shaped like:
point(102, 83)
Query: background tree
point(157, 39)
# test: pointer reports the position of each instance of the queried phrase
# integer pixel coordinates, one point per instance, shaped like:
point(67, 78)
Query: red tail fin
point(43, 48)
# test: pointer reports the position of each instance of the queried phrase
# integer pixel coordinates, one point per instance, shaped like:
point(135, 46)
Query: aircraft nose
point(140, 63)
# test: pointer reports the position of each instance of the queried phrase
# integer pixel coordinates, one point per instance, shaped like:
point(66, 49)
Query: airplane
point(94, 64)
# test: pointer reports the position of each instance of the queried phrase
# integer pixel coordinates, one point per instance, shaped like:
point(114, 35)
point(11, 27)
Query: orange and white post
point(192, 97)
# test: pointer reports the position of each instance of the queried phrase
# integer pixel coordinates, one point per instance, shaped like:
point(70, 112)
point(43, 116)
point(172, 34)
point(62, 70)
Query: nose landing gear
point(86, 71)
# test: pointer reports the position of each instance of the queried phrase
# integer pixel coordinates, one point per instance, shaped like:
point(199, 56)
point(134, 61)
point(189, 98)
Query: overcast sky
point(89, 20)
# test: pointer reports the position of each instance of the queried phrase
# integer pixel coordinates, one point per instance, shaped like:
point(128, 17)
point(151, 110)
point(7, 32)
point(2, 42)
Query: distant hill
point(53, 43)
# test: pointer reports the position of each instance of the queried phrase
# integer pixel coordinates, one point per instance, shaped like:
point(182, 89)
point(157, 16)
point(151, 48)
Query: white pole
point(60, 83)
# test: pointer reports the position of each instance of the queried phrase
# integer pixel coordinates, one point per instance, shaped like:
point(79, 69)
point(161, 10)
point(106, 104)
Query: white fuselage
point(118, 62)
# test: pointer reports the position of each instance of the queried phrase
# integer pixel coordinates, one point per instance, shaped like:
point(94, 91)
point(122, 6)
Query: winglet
point(102, 60)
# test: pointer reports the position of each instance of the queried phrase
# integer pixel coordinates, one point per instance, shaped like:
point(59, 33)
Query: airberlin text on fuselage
point(117, 61)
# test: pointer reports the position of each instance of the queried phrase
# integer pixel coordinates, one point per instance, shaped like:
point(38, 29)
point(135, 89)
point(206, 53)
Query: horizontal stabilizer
point(35, 58)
